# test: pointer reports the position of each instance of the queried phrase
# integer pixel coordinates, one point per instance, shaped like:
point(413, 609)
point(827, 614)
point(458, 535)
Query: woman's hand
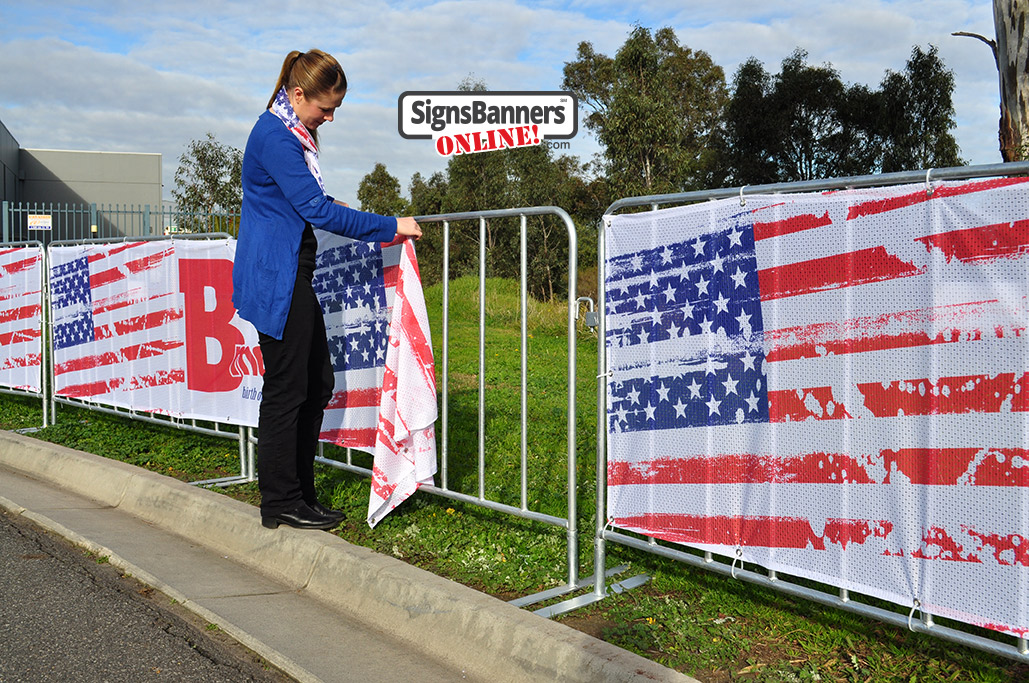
point(409, 227)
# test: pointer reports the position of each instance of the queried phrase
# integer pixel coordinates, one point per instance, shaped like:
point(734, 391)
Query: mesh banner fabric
point(384, 401)
point(832, 386)
point(21, 310)
point(150, 326)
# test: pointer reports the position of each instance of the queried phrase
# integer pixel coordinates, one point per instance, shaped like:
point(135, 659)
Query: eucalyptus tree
point(654, 107)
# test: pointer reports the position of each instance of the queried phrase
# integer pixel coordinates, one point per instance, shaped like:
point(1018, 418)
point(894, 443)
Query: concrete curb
point(487, 637)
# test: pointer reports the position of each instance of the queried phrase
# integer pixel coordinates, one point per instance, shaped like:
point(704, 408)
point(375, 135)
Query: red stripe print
point(810, 468)
point(985, 243)
point(904, 329)
point(122, 300)
point(21, 313)
point(937, 544)
point(409, 250)
point(19, 336)
point(380, 484)
point(418, 343)
point(129, 353)
point(1014, 630)
point(113, 250)
point(20, 266)
point(350, 438)
point(94, 389)
point(17, 294)
point(833, 272)
point(118, 273)
point(794, 405)
point(959, 466)
point(140, 322)
point(807, 221)
point(1008, 550)
point(921, 466)
point(355, 398)
point(948, 395)
point(389, 276)
point(30, 361)
point(767, 532)
point(918, 196)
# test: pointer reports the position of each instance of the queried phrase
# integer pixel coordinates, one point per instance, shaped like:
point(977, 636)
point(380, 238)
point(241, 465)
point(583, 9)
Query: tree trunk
point(1009, 18)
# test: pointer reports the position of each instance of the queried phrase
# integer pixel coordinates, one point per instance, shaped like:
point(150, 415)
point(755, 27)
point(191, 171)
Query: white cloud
point(146, 76)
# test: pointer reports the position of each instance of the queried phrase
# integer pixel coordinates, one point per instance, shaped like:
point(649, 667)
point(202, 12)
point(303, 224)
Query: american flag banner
point(384, 401)
point(150, 326)
point(21, 312)
point(832, 386)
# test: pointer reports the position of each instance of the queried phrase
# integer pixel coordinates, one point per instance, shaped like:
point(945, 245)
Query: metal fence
point(242, 435)
point(68, 224)
point(48, 222)
point(844, 600)
point(80, 223)
point(568, 520)
point(44, 375)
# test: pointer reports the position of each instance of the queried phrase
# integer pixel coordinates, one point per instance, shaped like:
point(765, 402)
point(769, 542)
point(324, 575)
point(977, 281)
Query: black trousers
point(298, 383)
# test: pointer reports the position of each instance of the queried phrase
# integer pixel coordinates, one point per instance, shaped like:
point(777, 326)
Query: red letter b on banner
point(206, 286)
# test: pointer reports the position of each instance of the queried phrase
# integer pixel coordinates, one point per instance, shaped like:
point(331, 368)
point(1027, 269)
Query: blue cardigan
point(280, 196)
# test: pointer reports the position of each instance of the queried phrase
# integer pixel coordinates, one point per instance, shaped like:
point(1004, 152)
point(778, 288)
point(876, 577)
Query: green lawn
point(703, 624)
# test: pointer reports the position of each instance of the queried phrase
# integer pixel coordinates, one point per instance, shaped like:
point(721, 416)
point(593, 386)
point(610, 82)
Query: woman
point(283, 200)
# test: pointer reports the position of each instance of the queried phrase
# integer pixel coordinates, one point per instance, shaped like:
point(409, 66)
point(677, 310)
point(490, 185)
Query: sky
point(145, 76)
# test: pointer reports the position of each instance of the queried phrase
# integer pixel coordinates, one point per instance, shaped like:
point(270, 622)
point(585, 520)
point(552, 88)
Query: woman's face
point(314, 111)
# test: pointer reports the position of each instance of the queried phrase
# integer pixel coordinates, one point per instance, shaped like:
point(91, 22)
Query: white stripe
point(857, 438)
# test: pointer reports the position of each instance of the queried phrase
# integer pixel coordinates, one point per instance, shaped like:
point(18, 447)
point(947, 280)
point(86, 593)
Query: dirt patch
point(596, 626)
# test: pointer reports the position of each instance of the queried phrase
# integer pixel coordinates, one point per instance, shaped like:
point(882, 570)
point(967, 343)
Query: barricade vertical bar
point(44, 288)
point(599, 544)
point(445, 436)
point(523, 271)
point(251, 456)
point(49, 336)
point(482, 358)
point(6, 221)
point(243, 451)
point(146, 220)
point(573, 306)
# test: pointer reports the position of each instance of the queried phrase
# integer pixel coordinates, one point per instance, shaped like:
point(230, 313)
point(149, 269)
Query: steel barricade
point(567, 522)
point(242, 435)
point(44, 350)
point(844, 599)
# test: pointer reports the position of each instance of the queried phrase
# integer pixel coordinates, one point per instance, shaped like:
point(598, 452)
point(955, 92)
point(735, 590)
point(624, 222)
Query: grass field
point(702, 624)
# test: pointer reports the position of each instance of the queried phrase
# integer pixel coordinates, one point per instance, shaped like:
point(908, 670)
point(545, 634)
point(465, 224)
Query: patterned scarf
point(284, 110)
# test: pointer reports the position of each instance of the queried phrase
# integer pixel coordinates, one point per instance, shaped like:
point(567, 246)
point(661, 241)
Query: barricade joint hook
point(738, 558)
point(916, 607)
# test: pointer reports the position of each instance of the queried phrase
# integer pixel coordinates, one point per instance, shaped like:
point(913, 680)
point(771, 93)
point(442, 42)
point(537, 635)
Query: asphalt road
point(66, 616)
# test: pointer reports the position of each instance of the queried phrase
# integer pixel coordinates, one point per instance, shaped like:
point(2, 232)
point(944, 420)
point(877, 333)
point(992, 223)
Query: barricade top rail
point(499, 213)
point(22, 243)
point(141, 238)
point(851, 182)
